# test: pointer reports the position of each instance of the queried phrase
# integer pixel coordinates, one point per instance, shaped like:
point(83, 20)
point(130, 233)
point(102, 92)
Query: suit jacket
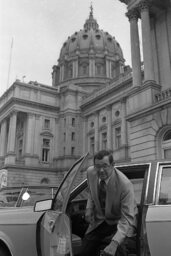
point(120, 206)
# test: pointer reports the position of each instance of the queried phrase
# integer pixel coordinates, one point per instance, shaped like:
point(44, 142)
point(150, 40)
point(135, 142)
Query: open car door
point(54, 229)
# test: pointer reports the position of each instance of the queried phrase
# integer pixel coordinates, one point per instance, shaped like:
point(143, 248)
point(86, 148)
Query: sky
point(32, 33)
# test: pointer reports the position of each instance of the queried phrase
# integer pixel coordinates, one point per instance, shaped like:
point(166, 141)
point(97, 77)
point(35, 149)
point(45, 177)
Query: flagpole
point(9, 68)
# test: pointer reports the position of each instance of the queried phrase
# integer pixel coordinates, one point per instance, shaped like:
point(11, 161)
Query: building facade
point(95, 101)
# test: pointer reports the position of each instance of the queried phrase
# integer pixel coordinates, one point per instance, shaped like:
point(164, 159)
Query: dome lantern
point(91, 23)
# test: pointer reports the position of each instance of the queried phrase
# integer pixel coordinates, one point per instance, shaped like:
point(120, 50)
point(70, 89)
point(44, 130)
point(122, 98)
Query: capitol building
point(95, 101)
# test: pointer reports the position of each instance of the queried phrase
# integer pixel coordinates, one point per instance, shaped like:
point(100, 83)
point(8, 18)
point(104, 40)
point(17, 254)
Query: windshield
point(33, 195)
point(9, 197)
point(26, 196)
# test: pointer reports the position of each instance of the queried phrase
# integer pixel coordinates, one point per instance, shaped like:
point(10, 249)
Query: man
point(111, 208)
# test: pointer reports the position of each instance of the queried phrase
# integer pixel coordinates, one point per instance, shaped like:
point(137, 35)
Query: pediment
point(46, 133)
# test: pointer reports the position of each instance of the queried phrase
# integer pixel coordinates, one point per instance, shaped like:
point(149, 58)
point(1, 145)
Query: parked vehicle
point(56, 226)
point(25, 196)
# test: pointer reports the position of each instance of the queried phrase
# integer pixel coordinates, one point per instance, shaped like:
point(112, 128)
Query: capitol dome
point(90, 53)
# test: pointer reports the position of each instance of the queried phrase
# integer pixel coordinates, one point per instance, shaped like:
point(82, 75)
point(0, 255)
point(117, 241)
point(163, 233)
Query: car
point(21, 196)
point(56, 226)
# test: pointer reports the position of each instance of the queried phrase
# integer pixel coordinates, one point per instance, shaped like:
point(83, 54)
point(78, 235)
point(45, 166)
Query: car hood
point(14, 215)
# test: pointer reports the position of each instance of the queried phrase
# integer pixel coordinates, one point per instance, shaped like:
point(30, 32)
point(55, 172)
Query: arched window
point(44, 180)
point(166, 145)
point(83, 69)
point(99, 69)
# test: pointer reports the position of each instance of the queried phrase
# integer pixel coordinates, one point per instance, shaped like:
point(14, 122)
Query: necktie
point(102, 194)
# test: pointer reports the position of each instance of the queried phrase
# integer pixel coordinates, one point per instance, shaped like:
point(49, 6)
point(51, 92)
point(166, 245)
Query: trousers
point(95, 241)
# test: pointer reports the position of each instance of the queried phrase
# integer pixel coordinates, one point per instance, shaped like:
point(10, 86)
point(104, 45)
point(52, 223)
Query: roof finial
point(91, 9)
point(91, 23)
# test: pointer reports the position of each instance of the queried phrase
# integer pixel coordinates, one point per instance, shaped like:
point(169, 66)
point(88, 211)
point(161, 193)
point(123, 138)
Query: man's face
point(103, 167)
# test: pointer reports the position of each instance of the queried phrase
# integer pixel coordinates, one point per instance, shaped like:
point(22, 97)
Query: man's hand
point(111, 248)
point(89, 216)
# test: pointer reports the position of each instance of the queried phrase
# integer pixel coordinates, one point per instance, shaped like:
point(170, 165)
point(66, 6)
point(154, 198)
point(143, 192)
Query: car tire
point(4, 252)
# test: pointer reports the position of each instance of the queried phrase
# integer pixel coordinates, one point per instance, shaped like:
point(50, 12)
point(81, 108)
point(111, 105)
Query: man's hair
point(99, 155)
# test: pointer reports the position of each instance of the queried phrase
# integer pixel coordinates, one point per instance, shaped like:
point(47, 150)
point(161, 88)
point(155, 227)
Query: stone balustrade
point(163, 95)
point(107, 88)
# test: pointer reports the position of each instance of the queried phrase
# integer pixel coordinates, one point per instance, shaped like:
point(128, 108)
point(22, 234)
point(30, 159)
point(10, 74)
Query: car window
point(138, 185)
point(72, 179)
point(165, 186)
point(33, 195)
point(83, 195)
point(9, 197)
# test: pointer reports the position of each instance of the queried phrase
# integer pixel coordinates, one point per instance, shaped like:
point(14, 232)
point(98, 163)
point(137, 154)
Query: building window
point(104, 140)
point(45, 150)
point(166, 145)
point(70, 71)
point(99, 69)
point(64, 122)
point(92, 145)
point(47, 124)
point(92, 124)
point(20, 153)
point(73, 136)
point(20, 143)
point(113, 70)
point(73, 121)
point(83, 69)
point(72, 151)
point(21, 125)
point(44, 181)
point(20, 148)
point(118, 137)
point(103, 119)
point(117, 113)
point(64, 136)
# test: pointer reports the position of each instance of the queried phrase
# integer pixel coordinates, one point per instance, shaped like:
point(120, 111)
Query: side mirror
point(43, 205)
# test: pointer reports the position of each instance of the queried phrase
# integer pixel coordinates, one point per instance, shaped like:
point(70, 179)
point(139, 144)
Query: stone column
point(3, 138)
point(96, 131)
point(121, 69)
point(146, 39)
point(30, 156)
point(73, 69)
point(107, 69)
point(135, 47)
point(37, 128)
point(85, 142)
point(76, 67)
point(109, 127)
point(91, 66)
point(110, 69)
point(30, 134)
point(57, 137)
point(10, 156)
point(12, 133)
point(124, 130)
point(61, 72)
